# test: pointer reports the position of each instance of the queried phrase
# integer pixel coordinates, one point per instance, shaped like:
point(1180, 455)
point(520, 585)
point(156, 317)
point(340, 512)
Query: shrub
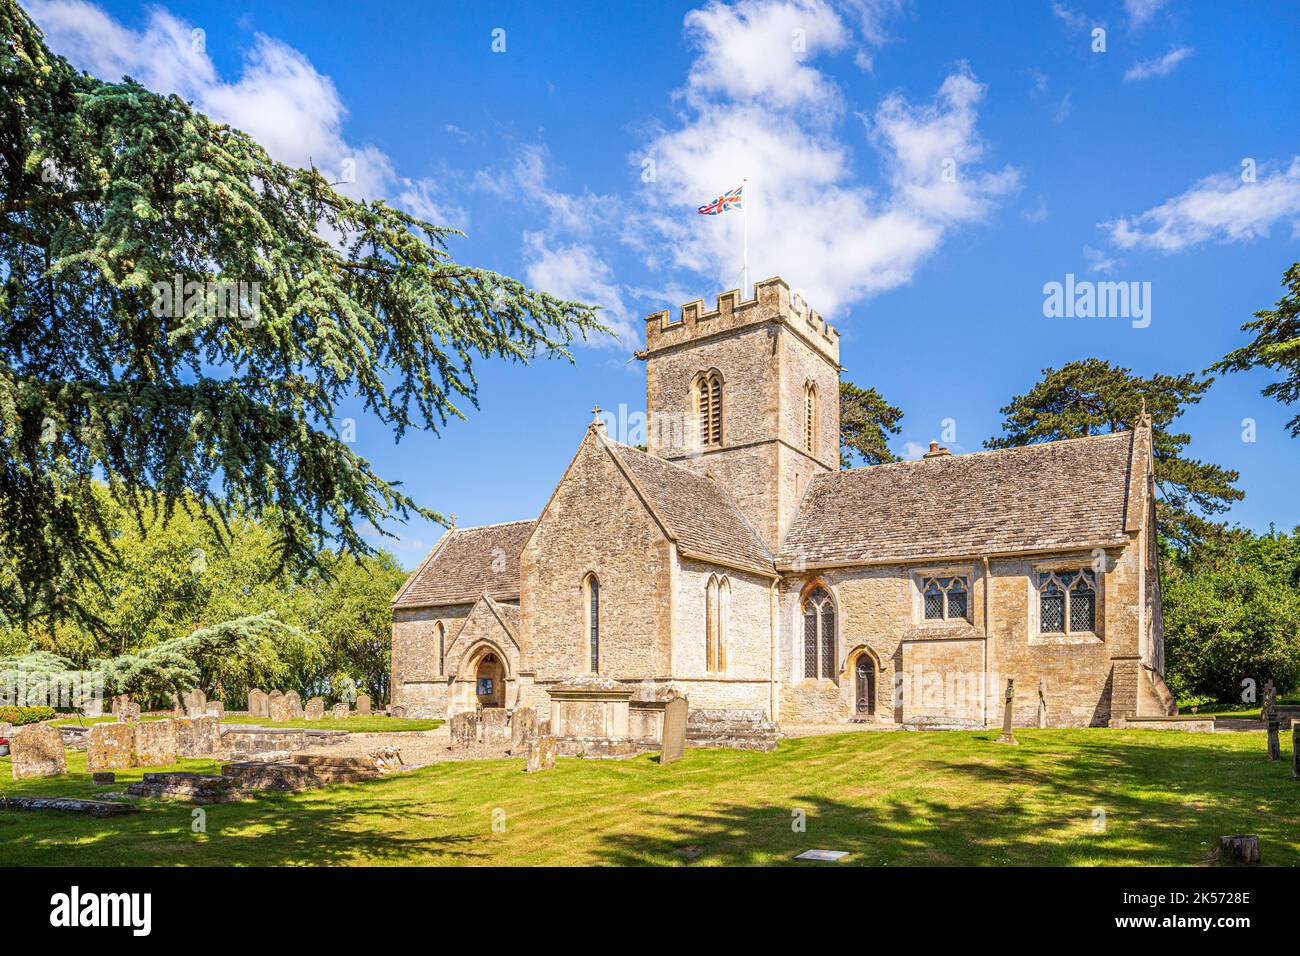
point(25, 715)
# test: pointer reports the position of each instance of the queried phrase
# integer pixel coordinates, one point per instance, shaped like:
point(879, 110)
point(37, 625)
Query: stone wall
point(596, 523)
point(418, 685)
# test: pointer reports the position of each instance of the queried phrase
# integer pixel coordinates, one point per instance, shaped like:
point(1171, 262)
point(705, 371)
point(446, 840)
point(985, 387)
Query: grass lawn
point(358, 725)
point(887, 798)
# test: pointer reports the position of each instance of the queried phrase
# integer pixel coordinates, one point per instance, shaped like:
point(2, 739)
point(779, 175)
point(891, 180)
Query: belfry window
point(810, 417)
point(945, 599)
point(1067, 602)
point(708, 407)
point(819, 635)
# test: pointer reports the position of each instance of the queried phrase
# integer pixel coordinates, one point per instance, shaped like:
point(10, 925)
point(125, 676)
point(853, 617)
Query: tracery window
point(819, 634)
point(708, 407)
point(810, 416)
point(442, 649)
point(946, 599)
point(592, 587)
point(717, 607)
point(1067, 602)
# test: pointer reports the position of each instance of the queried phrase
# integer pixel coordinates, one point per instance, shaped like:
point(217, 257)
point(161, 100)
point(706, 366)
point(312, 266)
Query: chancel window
point(593, 620)
point(708, 407)
point(945, 599)
point(819, 635)
point(1067, 602)
point(810, 416)
point(717, 607)
point(442, 649)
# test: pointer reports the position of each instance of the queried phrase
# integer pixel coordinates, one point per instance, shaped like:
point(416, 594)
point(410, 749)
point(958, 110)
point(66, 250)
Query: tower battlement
point(772, 302)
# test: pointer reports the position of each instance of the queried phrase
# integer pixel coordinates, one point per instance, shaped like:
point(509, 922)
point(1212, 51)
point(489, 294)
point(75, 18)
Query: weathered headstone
point(496, 726)
point(1007, 737)
point(198, 736)
point(464, 728)
point(258, 703)
point(673, 743)
point(340, 710)
point(1239, 849)
point(396, 710)
point(279, 707)
point(102, 777)
point(196, 703)
point(125, 709)
point(1042, 702)
point(37, 751)
point(155, 742)
point(523, 727)
point(216, 709)
point(363, 704)
point(294, 702)
point(110, 746)
point(315, 709)
point(541, 753)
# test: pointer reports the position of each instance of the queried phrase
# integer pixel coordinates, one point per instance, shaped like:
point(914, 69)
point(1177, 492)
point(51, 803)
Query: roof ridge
point(495, 524)
point(982, 451)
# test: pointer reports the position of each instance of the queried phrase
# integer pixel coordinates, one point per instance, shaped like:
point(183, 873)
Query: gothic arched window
point(442, 648)
point(810, 416)
point(592, 604)
point(717, 608)
point(1067, 602)
point(945, 598)
point(819, 635)
point(708, 407)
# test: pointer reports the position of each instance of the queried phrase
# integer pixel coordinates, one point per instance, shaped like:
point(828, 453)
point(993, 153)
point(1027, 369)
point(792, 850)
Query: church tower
point(748, 394)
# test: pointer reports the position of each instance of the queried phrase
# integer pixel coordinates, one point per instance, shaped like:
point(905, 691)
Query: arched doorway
point(864, 685)
point(490, 681)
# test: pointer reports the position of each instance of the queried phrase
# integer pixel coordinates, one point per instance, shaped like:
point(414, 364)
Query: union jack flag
point(729, 200)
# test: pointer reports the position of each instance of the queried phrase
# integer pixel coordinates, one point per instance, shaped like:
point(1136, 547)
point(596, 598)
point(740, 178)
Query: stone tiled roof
point(699, 516)
point(466, 563)
point(1020, 499)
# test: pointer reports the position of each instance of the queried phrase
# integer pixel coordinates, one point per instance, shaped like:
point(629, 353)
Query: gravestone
point(178, 706)
point(125, 709)
point(155, 742)
point(1239, 849)
point(496, 726)
point(363, 704)
point(294, 702)
point(103, 777)
point(673, 742)
point(541, 754)
point(340, 710)
point(464, 729)
point(1274, 744)
point(315, 709)
point(1042, 702)
point(110, 746)
point(1295, 749)
point(216, 709)
point(196, 703)
point(198, 736)
point(1007, 737)
point(278, 707)
point(396, 710)
point(37, 751)
point(523, 726)
point(258, 703)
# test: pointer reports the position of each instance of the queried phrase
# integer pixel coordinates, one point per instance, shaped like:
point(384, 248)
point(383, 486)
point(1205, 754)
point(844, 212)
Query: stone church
point(735, 563)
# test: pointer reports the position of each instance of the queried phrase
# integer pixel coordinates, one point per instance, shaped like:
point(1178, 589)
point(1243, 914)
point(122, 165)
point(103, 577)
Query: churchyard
point(1061, 797)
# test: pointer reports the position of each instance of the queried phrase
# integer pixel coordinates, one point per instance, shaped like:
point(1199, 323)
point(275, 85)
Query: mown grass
point(375, 723)
point(1063, 797)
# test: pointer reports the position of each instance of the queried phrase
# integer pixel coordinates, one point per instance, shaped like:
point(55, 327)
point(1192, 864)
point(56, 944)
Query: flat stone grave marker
point(673, 743)
point(340, 710)
point(541, 754)
point(363, 704)
point(110, 746)
point(37, 751)
point(315, 709)
point(823, 856)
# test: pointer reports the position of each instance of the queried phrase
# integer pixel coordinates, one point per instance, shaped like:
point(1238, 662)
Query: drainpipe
point(772, 603)
point(984, 682)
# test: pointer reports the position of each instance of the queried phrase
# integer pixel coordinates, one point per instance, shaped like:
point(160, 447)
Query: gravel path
point(419, 748)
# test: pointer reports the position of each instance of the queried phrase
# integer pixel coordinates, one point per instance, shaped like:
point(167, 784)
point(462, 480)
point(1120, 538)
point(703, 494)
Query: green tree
point(1093, 397)
point(293, 298)
point(866, 422)
point(1276, 346)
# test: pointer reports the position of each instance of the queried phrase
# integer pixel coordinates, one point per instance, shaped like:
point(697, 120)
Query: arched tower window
point(708, 407)
point(717, 609)
point(810, 416)
point(442, 648)
point(819, 634)
point(592, 604)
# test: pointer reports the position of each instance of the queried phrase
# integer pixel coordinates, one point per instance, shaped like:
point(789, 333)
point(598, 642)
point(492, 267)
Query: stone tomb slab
point(37, 751)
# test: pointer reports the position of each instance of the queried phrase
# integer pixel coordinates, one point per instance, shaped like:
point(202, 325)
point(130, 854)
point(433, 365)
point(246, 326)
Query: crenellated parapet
point(773, 302)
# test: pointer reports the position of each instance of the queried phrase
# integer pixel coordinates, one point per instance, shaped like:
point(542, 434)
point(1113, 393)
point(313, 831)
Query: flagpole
point(744, 211)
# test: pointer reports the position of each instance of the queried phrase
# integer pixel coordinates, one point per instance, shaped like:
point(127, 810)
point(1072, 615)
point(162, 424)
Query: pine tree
point(1093, 397)
point(1276, 345)
point(292, 299)
point(866, 422)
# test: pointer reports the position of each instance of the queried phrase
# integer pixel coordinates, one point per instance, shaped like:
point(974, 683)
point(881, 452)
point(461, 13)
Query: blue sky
point(918, 171)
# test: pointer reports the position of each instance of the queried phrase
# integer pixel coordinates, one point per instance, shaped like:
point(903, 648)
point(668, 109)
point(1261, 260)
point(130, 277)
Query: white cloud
point(914, 450)
point(1071, 18)
point(1098, 261)
point(1161, 66)
point(279, 99)
point(1036, 213)
point(1141, 11)
point(1221, 207)
point(577, 271)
